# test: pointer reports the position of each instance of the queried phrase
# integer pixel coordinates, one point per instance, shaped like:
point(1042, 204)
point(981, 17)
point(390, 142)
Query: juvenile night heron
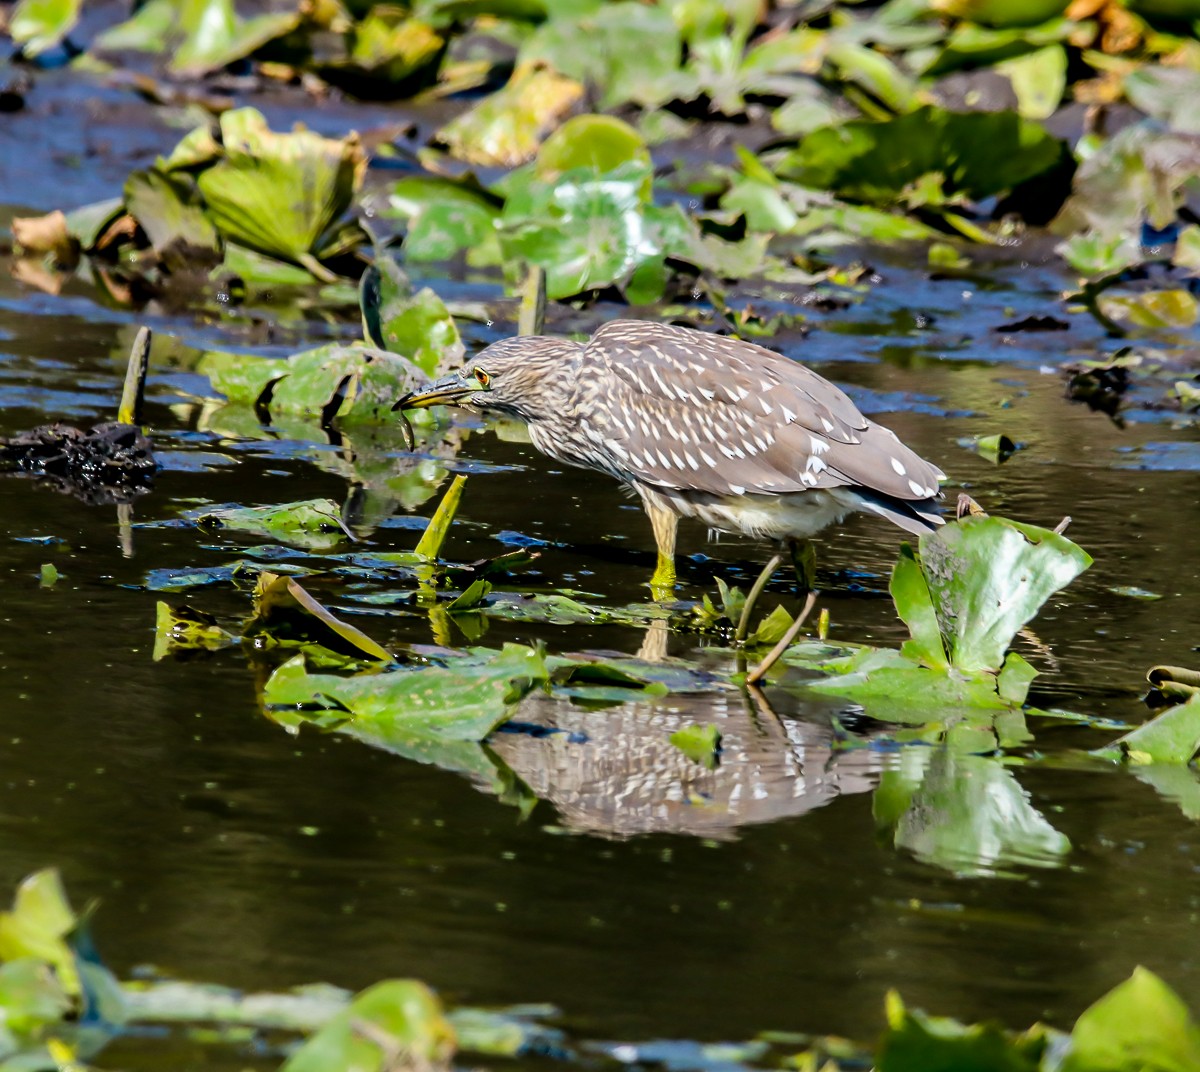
point(700, 426)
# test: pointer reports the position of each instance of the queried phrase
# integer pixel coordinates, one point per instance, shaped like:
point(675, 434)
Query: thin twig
point(760, 671)
point(743, 625)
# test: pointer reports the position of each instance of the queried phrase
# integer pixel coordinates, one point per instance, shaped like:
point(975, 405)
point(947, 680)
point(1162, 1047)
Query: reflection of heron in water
point(614, 771)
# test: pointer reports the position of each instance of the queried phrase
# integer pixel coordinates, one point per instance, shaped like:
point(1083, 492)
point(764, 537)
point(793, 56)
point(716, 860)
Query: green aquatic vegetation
point(182, 630)
point(201, 35)
point(37, 26)
point(314, 524)
point(702, 744)
point(964, 597)
point(389, 54)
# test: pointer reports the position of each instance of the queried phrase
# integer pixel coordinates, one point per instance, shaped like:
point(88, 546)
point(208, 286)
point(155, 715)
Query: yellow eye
point(482, 377)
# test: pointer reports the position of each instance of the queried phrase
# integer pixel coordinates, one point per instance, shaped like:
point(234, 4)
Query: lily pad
point(315, 524)
point(38, 25)
point(281, 194)
point(505, 129)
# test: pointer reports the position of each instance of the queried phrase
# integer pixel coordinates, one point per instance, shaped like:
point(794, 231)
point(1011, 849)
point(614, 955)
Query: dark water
point(644, 898)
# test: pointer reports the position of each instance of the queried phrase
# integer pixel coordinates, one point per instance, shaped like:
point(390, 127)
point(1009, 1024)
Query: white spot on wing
point(819, 445)
point(898, 465)
point(916, 488)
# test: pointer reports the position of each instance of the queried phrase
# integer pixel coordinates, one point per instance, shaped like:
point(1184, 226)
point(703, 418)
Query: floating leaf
point(1171, 737)
point(915, 1042)
point(699, 743)
point(988, 577)
point(274, 593)
point(183, 630)
point(599, 142)
point(281, 194)
point(1153, 309)
point(38, 925)
point(315, 524)
point(1141, 1024)
point(505, 129)
point(38, 25)
point(399, 1016)
point(168, 208)
point(979, 154)
point(392, 56)
point(995, 448)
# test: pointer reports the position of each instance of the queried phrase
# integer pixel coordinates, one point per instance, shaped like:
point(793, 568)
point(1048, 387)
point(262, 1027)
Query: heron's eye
point(482, 377)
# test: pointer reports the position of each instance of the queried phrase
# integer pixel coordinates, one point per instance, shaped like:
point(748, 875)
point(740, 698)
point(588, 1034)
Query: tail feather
point(916, 516)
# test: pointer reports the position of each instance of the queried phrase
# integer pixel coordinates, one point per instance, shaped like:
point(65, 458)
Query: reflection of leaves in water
point(970, 815)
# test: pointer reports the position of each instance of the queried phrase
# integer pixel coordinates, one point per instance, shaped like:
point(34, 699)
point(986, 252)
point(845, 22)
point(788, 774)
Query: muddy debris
point(112, 463)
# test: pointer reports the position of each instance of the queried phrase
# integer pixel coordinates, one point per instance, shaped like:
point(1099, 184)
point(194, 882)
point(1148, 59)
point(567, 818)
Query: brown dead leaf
point(44, 234)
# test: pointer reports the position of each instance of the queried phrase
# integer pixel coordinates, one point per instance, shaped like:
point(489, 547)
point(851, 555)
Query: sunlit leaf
point(39, 25)
point(506, 128)
point(434, 537)
point(183, 630)
point(315, 524)
point(399, 1016)
point(1170, 737)
point(1141, 1024)
point(910, 593)
point(281, 194)
point(988, 577)
point(37, 926)
point(275, 593)
point(701, 744)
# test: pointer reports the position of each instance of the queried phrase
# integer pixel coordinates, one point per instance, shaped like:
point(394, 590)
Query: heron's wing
point(686, 409)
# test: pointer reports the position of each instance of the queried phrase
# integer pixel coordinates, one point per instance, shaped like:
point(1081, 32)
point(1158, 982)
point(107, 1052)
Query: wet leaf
point(183, 630)
point(1153, 309)
point(988, 577)
point(1166, 93)
point(1039, 80)
point(280, 194)
point(1171, 737)
point(916, 1042)
point(505, 129)
point(591, 231)
point(38, 925)
point(1132, 592)
point(434, 536)
point(979, 154)
point(274, 593)
point(315, 524)
point(471, 597)
point(48, 575)
point(599, 142)
point(419, 327)
point(38, 25)
point(399, 1016)
point(910, 593)
point(1141, 1024)
point(350, 383)
point(392, 55)
point(593, 47)
point(463, 702)
point(169, 210)
point(701, 744)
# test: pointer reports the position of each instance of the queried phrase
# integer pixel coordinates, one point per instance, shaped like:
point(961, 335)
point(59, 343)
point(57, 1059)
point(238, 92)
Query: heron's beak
point(448, 391)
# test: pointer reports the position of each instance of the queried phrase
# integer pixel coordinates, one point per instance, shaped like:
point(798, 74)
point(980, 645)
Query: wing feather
point(687, 409)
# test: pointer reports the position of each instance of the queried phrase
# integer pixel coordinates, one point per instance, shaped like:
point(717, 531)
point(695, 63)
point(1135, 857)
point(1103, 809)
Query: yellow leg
point(665, 525)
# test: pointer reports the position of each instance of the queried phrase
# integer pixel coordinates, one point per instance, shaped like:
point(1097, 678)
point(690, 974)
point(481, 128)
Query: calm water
point(644, 898)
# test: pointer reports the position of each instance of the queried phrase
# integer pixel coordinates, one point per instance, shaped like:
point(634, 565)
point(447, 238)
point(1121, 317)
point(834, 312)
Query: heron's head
point(523, 377)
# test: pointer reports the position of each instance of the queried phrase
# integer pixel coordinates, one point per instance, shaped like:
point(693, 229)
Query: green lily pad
point(389, 1018)
point(38, 925)
point(987, 578)
point(701, 744)
point(1171, 737)
point(599, 142)
point(1141, 1024)
point(505, 129)
point(38, 25)
point(281, 194)
point(916, 1042)
point(168, 208)
point(315, 524)
point(184, 630)
point(393, 55)
point(979, 154)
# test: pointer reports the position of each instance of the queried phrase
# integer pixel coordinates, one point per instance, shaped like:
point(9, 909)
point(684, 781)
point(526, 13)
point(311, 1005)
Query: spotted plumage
point(701, 426)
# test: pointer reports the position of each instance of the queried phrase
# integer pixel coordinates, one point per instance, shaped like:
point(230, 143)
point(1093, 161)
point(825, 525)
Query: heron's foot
point(662, 584)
